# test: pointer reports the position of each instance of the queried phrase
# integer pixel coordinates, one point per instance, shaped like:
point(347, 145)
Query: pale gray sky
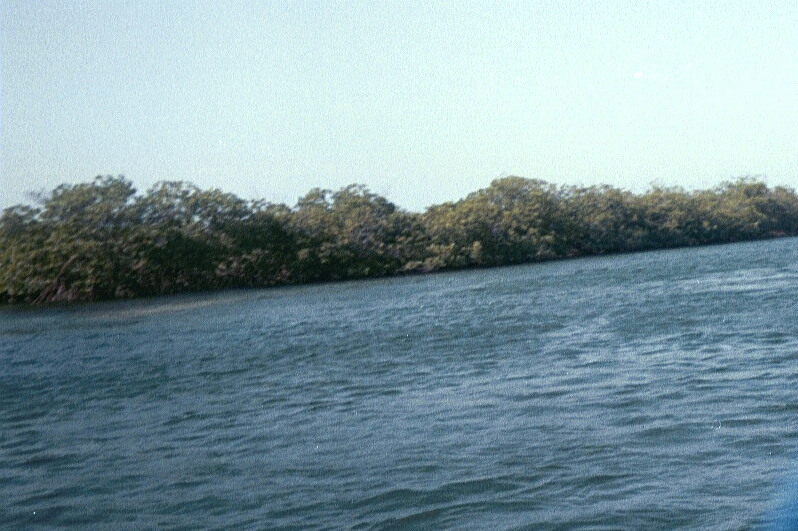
point(423, 101)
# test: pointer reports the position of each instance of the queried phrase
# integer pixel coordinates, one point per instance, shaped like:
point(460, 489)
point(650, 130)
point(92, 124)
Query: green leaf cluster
point(103, 240)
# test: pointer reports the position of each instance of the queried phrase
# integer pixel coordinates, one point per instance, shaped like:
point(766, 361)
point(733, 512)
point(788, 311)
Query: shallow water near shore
point(653, 390)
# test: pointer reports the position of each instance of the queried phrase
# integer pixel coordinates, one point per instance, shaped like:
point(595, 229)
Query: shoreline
point(102, 240)
point(22, 306)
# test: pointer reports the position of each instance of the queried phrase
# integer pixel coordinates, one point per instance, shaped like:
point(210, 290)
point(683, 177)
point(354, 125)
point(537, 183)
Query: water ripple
point(654, 390)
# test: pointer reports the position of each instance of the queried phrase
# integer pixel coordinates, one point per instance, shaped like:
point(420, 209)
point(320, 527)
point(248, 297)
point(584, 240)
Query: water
point(655, 390)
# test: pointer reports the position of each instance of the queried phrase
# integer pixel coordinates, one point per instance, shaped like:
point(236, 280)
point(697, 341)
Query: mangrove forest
point(104, 240)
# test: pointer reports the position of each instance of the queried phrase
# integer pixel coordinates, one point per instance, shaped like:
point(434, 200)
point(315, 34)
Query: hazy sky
point(423, 101)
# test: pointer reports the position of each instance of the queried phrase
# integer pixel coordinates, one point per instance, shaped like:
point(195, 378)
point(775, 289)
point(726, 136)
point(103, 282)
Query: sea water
point(653, 390)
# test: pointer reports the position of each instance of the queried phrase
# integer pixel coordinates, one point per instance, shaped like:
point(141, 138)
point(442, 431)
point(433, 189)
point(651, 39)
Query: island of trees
point(103, 240)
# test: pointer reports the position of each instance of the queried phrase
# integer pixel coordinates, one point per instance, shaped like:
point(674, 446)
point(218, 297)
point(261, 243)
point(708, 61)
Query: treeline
point(103, 240)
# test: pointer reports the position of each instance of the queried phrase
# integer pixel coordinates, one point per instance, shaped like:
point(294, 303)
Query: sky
point(422, 101)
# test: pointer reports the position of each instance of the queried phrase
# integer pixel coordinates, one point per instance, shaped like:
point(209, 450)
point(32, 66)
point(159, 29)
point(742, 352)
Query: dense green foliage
point(101, 240)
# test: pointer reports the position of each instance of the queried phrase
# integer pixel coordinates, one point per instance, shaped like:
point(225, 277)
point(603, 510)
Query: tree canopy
point(104, 240)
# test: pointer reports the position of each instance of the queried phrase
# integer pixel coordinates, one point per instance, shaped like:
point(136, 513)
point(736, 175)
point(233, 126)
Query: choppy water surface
point(640, 391)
